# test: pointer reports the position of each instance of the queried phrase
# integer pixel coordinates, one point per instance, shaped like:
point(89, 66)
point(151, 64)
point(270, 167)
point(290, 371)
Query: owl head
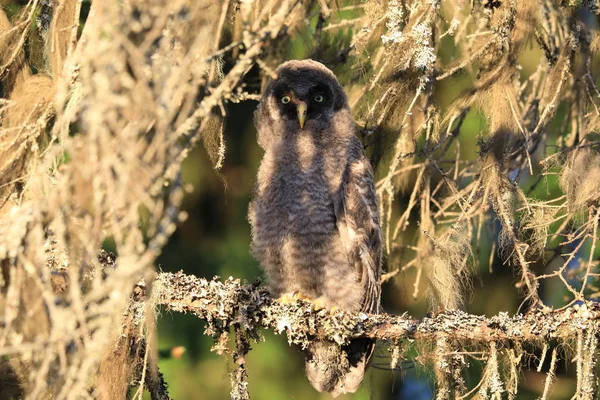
point(305, 95)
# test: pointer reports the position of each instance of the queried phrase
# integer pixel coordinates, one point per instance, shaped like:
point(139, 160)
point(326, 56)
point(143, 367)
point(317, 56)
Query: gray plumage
point(314, 216)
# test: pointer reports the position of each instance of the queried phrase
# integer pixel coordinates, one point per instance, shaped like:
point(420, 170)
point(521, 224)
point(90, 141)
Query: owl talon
point(292, 297)
point(319, 304)
point(334, 309)
point(302, 296)
point(287, 298)
point(322, 304)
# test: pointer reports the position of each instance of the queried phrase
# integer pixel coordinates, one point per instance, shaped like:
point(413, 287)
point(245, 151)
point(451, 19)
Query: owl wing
point(358, 223)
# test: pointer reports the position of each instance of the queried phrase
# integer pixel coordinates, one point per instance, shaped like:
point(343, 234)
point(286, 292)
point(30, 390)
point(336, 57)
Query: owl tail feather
point(335, 369)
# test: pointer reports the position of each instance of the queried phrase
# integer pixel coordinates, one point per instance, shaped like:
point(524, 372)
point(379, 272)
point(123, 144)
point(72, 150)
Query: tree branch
point(223, 304)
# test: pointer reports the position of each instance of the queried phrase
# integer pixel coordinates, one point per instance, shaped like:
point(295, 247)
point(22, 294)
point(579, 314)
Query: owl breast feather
point(295, 236)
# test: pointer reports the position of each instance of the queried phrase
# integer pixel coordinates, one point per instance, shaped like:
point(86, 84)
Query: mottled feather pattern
point(359, 213)
point(314, 215)
point(296, 236)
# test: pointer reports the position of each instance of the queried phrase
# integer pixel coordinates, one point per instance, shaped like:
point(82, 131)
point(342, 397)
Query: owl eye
point(285, 99)
point(319, 98)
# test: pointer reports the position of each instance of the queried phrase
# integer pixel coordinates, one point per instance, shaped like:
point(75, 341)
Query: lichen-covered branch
point(226, 303)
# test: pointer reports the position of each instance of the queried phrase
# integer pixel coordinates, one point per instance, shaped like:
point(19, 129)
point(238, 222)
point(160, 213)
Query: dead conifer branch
point(550, 376)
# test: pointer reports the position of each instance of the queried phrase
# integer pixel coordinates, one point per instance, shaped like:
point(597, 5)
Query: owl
point(314, 215)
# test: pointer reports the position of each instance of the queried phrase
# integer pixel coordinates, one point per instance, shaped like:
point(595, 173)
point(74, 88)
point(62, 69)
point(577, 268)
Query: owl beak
point(301, 108)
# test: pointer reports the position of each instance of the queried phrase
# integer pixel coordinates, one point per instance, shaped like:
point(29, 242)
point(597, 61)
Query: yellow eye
point(285, 99)
point(319, 98)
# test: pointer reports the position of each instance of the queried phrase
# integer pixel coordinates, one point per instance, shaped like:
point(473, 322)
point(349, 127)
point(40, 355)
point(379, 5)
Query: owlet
point(314, 216)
